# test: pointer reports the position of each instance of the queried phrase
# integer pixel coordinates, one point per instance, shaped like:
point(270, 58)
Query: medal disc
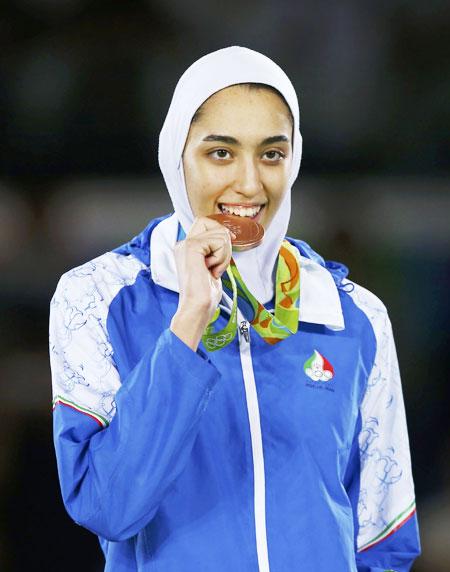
point(249, 233)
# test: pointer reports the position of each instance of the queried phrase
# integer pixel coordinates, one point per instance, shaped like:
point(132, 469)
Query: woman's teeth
point(240, 211)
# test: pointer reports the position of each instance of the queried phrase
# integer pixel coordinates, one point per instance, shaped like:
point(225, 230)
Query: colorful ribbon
point(272, 328)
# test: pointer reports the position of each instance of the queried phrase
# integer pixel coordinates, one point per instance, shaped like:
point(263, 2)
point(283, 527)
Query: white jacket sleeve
point(387, 529)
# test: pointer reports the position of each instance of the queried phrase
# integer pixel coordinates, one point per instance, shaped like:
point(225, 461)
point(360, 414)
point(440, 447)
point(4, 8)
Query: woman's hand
point(201, 259)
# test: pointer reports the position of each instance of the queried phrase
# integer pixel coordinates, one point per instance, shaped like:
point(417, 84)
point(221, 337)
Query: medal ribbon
point(272, 328)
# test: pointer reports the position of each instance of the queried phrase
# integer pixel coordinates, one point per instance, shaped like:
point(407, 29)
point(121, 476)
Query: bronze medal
point(249, 233)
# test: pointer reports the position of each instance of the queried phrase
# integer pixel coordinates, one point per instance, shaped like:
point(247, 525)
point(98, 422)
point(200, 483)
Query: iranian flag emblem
point(318, 368)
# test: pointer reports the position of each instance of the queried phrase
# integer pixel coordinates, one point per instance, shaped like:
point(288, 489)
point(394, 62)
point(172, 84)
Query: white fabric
point(83, 372)
point(209, 74)
point(386, 489)
point(319, 296)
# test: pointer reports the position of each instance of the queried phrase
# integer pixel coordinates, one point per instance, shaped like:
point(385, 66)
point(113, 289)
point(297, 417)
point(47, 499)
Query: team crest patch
point(318, 368)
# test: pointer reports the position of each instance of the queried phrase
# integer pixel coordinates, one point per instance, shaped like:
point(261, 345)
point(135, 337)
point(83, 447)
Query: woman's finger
point(204, 224)
point(215, 247)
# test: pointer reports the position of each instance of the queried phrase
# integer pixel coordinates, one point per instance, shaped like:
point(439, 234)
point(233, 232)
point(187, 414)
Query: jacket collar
point(319, 297)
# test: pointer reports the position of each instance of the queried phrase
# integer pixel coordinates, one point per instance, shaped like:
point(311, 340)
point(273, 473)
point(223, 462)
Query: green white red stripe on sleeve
point(102, 421)
point(393, 526)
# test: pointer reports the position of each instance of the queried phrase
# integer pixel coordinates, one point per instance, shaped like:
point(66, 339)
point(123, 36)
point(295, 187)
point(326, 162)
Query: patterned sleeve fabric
point(84, 376)
point(386, 523)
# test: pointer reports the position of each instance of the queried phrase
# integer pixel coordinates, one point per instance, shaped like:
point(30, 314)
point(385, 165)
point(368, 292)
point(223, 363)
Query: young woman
point(222, 410)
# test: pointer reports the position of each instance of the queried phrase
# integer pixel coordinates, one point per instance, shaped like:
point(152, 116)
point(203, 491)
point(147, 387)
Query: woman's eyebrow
point(233, 141)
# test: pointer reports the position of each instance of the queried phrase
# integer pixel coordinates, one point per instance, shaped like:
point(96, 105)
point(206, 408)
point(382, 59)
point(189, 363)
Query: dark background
point(84, 88)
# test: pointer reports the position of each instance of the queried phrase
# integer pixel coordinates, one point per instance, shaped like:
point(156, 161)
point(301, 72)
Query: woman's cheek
point(205, 198)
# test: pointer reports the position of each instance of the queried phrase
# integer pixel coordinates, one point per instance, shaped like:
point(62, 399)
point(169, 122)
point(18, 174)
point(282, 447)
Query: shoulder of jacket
point(369, 303)
point(109, 270)
point(363, 296)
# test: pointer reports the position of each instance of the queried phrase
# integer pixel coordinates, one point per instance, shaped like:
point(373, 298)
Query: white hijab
point(207, 75)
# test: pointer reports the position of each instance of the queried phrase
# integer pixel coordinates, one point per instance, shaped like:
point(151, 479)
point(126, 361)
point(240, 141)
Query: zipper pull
point(243, 328)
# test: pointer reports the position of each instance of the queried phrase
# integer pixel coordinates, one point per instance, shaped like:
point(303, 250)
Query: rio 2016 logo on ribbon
point(318, 368)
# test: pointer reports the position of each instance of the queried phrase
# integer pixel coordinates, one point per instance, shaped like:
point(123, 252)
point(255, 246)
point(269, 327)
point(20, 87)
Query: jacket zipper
point(257, 448)
point(243, 328)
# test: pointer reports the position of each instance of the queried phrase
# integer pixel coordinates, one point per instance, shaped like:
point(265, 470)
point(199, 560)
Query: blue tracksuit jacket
point(292, 457)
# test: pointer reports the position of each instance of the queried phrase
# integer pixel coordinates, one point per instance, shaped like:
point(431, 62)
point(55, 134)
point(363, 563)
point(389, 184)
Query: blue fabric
point(396, 552)
point(181, 233)
point(168, 485)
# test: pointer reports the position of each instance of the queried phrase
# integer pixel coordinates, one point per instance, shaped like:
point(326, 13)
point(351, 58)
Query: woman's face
point(238, 154)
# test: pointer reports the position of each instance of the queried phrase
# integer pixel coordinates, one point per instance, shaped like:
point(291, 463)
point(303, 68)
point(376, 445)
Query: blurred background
point(84, 88)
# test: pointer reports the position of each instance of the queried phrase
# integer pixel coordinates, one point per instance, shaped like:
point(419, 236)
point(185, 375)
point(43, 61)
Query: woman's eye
point(278, 155)
point(221, 153)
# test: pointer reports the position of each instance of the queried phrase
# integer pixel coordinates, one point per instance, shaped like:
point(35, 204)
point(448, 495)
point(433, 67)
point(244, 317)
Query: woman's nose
point(248, 178)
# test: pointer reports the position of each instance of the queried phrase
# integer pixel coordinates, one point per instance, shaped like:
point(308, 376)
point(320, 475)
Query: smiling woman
point(237, 157)
point(219, 410)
